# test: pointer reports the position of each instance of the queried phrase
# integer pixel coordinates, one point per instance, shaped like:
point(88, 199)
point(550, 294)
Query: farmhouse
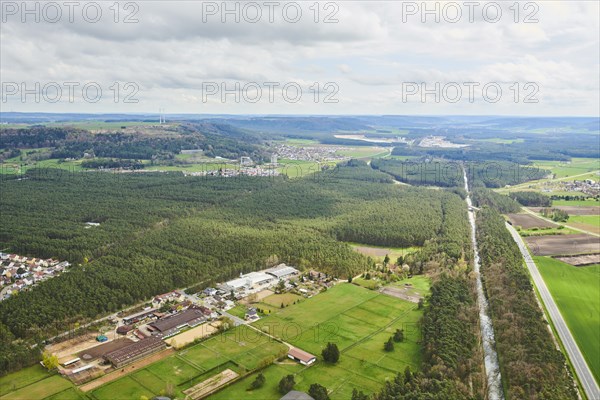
point(301, 356)
point(247, 281)
point(172, 324)
point(282, 271)
point(135, 351)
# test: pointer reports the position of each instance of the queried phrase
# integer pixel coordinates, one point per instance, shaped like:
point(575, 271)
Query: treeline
point(15, 355)
point(112, 163)
point(531, 366)
point(531, 199)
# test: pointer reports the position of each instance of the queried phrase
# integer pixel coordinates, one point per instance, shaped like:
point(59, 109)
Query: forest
point(531, 199)
point(532, 367)
point(449, 173)
point(158, 232)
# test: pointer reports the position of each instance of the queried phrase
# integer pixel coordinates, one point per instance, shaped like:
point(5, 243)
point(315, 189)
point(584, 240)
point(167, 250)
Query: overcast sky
point(368, 58)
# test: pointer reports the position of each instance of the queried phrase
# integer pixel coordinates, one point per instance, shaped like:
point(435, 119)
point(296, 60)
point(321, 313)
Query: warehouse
point(282, 271)
point(135, 351)
point(248, 281)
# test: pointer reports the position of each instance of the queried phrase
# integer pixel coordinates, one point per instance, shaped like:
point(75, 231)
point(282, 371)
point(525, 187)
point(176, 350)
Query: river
point(492, 367)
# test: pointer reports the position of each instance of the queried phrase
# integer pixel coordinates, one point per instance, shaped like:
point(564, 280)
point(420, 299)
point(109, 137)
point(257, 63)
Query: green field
point(241, 349)
point(576, 166)
point(40, 389)
point(593, 220)
point(420, 285)
point(359, 321)
point(286, 299)
point(575, 203)
point(367, 283)
point(576, 291)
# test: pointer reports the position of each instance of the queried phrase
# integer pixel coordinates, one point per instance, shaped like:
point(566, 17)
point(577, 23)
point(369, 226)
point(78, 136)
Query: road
point(527, 210)
point(589, 384)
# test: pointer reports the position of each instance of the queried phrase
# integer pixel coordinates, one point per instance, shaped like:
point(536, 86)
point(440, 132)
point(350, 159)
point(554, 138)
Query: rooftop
point(189, 316)
point(134, 349)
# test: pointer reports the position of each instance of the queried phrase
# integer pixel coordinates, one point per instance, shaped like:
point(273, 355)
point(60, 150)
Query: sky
point(276, 57)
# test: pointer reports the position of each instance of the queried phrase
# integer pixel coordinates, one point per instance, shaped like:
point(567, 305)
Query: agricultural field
point(554, 245)
point(527, 221)
point(587, 222)
point(35, 383)
point(241, 349)
point(576, 291)
point(576, 203)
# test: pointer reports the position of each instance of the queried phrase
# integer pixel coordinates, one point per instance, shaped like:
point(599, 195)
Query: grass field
point(367, 283)
point(378, 253)
point(576, 166)
point(576, 291)
point(286, 299)
point(420, 285)
point(575, 203)
point(359, 321)
point(41, 389)
point(593, 220)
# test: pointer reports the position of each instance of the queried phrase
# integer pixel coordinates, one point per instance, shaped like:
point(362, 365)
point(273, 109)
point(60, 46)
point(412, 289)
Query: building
point(247, 281)
point(251, 315)
point(172, 324)
point(296, 395)
point(132, 319)
point(301, 356)
point(135, 351)
point(282, 271)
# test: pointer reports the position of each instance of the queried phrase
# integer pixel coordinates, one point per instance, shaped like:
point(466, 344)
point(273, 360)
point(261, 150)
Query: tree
point(286, 384)
point(349, 278)
point(280, 286)
point(407, 375)
point(49, 360)
point(356, 395)
point(331, 353)
point(386, 260)
point(389, 345)
point(282, 304)
point(399, 335)
point(420, 305)
point(318, 392)
point(258, 382)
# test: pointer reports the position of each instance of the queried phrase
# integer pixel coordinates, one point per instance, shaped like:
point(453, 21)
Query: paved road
point(527, 210)
point(589, 384)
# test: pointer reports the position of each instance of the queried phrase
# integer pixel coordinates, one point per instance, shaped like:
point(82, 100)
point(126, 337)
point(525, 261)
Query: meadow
point(36, 383)
point(576, 166)
point(576, 291)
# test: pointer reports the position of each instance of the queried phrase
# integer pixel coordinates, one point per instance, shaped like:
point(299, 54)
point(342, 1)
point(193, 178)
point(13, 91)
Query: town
point(20, 272)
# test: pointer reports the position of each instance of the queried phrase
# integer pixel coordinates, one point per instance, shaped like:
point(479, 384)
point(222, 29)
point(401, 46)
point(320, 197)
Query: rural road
point(589, 384)
point(527, 210)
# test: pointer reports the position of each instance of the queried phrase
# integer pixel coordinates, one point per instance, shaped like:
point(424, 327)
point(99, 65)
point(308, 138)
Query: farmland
point(527, 221)
point(553, 245)
point(576, 291)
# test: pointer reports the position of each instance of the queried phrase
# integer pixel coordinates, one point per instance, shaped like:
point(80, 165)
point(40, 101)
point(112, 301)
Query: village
point(176, 319)
point(20, 272)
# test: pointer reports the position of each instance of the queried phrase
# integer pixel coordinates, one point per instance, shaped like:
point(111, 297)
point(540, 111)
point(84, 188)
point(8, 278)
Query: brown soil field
point(557, 245)
point(588, 259)
point(104, 348)
point(574, 210)
point(210, 385)
point(527, 221)
point(399, 293)
point(373, 251)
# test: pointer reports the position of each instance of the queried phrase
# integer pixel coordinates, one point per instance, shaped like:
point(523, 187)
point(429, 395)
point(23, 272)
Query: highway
point(589, 384)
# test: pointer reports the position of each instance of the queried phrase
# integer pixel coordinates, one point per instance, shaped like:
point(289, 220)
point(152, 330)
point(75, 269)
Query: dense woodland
point(531, 366)
point(531, 199)
point(163, 231)
point(486, 197)
point(450, 173)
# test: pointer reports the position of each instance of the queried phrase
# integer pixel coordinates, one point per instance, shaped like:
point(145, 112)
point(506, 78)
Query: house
point(301, 356)
point(132, 319)
point(296, 395)
point(210, 291)
point(251, 315)
point(166, 297)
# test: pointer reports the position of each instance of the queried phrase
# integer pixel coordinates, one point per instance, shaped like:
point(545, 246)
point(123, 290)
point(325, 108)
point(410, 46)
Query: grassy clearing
point(576, 291)
point(593, 220)
point(378, 253)
point(285, 298)
point(420, 285)
point(238, 311)
point(576, 166)
point(575, 203)
point(367, 283)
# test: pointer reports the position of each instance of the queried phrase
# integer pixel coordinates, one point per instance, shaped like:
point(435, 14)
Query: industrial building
point(248, 281)
point(282, 271)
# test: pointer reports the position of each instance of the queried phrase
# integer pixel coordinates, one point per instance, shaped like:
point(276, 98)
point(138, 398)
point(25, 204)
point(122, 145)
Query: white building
point(248, 281)
point(282, 271)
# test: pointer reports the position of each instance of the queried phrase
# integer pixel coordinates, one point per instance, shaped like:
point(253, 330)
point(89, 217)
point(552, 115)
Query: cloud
point(369, 52)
